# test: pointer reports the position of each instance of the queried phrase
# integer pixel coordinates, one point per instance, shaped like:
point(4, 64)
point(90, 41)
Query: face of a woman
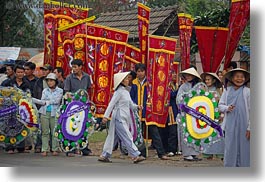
point(51, 83)
point(125, 81)
point(188, 77)
point(209, 81)
point(238, 78)
point(174, 76)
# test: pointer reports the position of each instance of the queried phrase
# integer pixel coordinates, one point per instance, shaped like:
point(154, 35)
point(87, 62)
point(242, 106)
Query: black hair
point(133, 74)
point(195, 81)
point(60, 70)
point(31, 65)
point(77, 62)
point(19, 66)
point(233, 65)
point(3, 70)
point(10, 65)
point(140, 66)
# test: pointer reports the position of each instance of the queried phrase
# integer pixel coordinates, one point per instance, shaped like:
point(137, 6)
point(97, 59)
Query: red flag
point(107, 52)
point(56, 15)
point(73, 38)
point(211, 43)
point(132, 57)
point(143, 29)
point(159, 64)
point(185, 30)
point(239, 17)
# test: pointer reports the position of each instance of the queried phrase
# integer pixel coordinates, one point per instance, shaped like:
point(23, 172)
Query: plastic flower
point(2, 138)
point(13, 140)
point(24, 133)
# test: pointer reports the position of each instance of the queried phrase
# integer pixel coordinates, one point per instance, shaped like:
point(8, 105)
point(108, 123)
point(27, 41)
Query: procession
point(97, 97)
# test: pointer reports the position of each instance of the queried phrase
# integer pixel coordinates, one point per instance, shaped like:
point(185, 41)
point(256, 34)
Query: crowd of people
point(130, 92)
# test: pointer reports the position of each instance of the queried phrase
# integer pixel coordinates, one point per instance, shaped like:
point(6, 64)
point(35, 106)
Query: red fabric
point(108, 52)
point(239, 17)
point(143, 29)
point(74, 47)
point(185, 30)
point(132, 57)
point(55, 18)
point(159, 65)
point(212, 44)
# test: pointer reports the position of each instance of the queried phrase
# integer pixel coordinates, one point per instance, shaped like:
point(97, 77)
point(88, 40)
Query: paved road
point(36, 160)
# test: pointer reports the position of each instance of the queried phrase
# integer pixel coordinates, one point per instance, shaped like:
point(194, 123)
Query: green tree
point(20, 24)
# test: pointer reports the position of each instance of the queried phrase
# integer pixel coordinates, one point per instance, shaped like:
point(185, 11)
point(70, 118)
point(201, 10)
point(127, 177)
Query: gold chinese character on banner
point(160, 90)
point(161, 76)
point(101, 96)
point(103, 81)
point(103, 65)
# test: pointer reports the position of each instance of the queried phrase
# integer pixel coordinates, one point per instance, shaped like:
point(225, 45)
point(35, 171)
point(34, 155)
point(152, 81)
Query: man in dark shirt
point(29, 76)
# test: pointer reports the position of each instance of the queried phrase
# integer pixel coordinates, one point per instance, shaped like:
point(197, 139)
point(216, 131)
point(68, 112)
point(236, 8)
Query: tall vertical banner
point(212, 44)
point(185, 30)
point(159, 64)
point(56, 15)
point(74, 45)
point(239, 17)
point(132, 57)
point(143, 29)
point(106, 53)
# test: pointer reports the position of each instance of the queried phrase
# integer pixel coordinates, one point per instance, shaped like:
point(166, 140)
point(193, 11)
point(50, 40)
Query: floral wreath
point(75, 120)
point(12, 130)
point(199, 117)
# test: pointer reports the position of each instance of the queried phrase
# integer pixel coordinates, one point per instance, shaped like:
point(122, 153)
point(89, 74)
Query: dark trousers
point(169, 138)
point(156, 139)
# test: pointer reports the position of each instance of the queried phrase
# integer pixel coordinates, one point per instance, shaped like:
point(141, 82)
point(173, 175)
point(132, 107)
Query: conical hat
point(190, 71)
point(219, 82)
point(228, 74)
point(118, 77)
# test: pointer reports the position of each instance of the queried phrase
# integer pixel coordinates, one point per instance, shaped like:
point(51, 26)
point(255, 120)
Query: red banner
point(159, 65)
point(73, 38)
point(106, 52)
point(143, 29)
point(212, 44)
point(57, 15)
point(132, 57)
point(239, 17)
point(185, 30)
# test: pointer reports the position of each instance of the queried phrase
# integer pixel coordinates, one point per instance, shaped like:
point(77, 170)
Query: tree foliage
point(20, 25)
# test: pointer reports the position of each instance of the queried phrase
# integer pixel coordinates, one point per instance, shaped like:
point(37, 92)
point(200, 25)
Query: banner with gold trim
point(108, 47)
point(143, 29)
point(56, 15)
point(238, 20)
point(159, 64)
point(132, 57)
point(185, 30)
point(211, 43)
point(73, 37)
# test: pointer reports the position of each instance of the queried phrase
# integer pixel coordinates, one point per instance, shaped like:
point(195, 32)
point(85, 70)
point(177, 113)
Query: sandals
point(104, 159)
point(138, 159)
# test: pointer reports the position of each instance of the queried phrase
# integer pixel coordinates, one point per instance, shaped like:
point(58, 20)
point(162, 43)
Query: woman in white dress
point(120, 106)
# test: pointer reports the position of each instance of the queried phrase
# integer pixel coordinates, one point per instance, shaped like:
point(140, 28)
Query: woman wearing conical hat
point(120, 106)
point(191, 77)
point(214, 84)
point(235, 103)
